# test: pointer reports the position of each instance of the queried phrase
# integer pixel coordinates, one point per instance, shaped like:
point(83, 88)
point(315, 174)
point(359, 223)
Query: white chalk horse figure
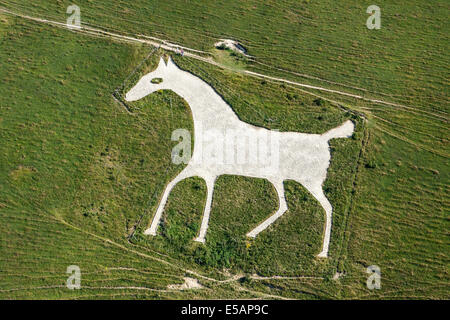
point(300, 157)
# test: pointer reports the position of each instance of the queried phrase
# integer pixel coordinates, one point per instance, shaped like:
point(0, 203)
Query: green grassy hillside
point(80, 176)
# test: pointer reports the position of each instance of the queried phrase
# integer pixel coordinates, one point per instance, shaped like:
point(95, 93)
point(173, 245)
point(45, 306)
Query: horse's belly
point(283, 155)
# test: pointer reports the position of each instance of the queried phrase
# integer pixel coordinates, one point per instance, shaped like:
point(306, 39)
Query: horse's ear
point(170, 63)
point(162, 64)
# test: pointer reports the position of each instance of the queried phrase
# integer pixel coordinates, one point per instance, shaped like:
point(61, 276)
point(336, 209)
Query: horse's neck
point(205, 103)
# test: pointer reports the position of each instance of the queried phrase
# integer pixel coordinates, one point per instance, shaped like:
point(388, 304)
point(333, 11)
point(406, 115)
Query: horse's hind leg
point(162, 203)
point(279, 187)
point(205, 220)
point(317, 192)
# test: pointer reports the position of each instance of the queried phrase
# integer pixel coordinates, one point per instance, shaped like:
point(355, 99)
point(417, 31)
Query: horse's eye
point(156, 80)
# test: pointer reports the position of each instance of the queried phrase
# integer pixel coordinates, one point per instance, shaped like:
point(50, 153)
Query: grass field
point(81, 176)
point(315, 38)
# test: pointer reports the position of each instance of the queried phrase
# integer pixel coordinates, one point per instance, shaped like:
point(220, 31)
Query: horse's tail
point(345, 130)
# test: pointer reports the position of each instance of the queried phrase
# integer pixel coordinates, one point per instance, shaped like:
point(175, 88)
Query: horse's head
point(152, 81)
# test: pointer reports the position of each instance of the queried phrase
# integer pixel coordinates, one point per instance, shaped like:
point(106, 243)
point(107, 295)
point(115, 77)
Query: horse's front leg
point(162, 203)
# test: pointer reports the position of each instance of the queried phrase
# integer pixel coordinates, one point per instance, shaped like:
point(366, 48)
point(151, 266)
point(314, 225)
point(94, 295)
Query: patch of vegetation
point(156, 80)
point(231, 59)
point(222, 46)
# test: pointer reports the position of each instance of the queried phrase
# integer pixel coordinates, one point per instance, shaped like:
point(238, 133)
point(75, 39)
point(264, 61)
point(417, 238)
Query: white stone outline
point(304, 158)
